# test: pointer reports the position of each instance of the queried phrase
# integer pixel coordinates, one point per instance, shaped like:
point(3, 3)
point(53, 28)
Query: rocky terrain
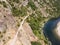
point(22, 21)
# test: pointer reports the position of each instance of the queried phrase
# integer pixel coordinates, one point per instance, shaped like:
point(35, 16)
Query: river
point(52, 30)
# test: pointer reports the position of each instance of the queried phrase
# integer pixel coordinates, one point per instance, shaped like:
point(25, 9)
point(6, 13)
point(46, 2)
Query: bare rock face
point(8, 29)
point(29, 32)
point(7, 25)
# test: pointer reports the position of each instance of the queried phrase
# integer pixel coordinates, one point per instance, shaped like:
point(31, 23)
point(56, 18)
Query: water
point(50, 32)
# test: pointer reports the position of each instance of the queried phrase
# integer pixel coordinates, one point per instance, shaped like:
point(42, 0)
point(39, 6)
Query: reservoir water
point(52, 30)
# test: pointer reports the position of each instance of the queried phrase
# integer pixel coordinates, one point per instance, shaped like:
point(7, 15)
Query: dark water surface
point(49, 29)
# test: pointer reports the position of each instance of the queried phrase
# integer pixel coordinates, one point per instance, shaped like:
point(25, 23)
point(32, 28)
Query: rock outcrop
point(8, 29)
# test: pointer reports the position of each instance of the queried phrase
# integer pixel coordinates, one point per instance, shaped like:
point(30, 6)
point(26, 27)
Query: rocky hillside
point(22, 21)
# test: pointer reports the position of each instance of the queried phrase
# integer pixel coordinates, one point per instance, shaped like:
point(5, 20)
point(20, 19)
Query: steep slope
point(12, 12)
point(9, 28)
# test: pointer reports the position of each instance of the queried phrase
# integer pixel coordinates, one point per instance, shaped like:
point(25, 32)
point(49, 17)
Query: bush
point(32, 5)
point(35, 43)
